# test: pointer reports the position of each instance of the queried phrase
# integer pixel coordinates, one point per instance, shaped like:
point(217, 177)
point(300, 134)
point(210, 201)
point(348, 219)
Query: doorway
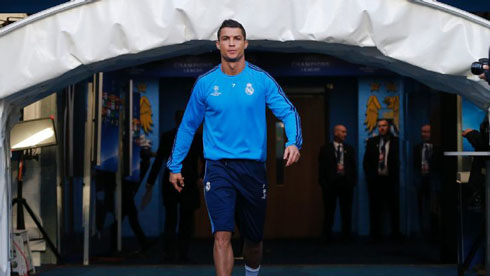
point(294, 205)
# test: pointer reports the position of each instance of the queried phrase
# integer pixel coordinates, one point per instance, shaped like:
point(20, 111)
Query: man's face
point(231, 44)
point(340, 132)
point(425, 133)
point(383, 127)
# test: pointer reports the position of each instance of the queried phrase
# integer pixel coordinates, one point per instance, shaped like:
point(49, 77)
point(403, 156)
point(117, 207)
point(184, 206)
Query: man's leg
point(374, 209)
point(186, 230)
point(423, 194)
point(223, 253)
point(330, 194)
point(251, 209)
point(132, 214)
point(345, 202)
point(220, 198)
point(129, 210)
point(252, 253)
point(169, 235)
point(394, 205)
point(420, 201)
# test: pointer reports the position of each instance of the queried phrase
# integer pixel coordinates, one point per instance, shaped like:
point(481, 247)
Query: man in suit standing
point(337, 176)
point(179, 207)
point(427, 159)
point(381, 167)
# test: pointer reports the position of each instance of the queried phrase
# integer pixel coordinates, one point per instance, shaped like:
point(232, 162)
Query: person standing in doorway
point(179, 206)
point(337, 177)
point(381, 167)
point(231, 99)
point(427, 164)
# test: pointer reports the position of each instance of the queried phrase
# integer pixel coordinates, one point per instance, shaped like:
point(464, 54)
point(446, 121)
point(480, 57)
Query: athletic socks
point(251, 271)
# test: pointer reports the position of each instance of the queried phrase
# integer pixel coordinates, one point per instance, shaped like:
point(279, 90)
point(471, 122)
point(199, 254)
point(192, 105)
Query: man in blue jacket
point(231, 99)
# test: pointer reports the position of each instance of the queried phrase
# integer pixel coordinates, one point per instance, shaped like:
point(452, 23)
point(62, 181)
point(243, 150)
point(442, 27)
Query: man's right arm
point(322, 166)
point(193, 117)
point(155, 169)
point(353, 163)
point(157, 164)
point(366, 161)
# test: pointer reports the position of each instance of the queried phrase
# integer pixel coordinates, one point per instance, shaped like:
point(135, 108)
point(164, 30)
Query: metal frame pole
point(87, 180)
point(487, 218)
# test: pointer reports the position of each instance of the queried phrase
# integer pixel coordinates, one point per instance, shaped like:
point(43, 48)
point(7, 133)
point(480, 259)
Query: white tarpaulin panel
point(438, 45)
point(72, 41)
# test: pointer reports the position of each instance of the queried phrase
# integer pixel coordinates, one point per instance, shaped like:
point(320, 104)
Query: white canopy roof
point(430, 42)
point(433, 44)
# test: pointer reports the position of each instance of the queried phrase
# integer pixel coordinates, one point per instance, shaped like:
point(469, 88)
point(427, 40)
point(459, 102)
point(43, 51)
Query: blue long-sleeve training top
point(234, 112)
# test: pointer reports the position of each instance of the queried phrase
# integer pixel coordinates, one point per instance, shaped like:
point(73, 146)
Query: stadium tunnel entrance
point(326, 91)
point(65, 48)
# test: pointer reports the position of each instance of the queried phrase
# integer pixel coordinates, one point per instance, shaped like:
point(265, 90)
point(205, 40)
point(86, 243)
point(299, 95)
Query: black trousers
point(424, 204)
point(384, 197)
point(342, 190)
point(129, 209)
point(179, 208)
point(106, 182)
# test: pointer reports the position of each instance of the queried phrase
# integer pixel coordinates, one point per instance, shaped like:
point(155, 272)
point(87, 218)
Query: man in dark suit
point(479, 141)
point(178, 206)
point(381, 166)
point(337, 176)
point(476, 183)
point(427, 159)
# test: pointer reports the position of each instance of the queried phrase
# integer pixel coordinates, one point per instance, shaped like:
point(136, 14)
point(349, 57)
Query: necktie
point(339, 152)
point(382, 154)
point(426, 153)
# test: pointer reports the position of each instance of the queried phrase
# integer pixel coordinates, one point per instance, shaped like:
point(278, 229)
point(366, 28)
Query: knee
point(222, 239)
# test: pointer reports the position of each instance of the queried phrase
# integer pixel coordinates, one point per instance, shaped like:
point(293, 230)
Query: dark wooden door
point(294, 196)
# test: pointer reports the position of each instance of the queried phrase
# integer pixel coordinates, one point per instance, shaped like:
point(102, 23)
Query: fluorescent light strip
point(35, 139)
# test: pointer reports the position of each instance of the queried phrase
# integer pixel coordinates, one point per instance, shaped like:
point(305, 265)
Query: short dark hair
point(384, 119)
point(230, 23)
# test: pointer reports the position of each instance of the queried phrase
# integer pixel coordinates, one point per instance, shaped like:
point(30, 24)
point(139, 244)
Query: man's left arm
point(353, 163)
point(285, 111)
point(396, 149)
point(475, 138)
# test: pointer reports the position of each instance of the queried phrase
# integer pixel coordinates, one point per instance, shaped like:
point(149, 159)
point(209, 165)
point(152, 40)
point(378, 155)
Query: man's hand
point(292, 155)
point(466, 131)
point(177, 180)
point(482, 76)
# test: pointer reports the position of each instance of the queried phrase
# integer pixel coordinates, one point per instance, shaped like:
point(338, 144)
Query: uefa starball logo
point(249, 89)
point(216, 91)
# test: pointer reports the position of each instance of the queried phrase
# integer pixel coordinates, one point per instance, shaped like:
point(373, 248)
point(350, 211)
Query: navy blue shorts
point(236, 189)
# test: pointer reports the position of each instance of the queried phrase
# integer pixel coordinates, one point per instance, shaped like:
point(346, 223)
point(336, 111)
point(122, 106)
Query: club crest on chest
point(249, 89)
